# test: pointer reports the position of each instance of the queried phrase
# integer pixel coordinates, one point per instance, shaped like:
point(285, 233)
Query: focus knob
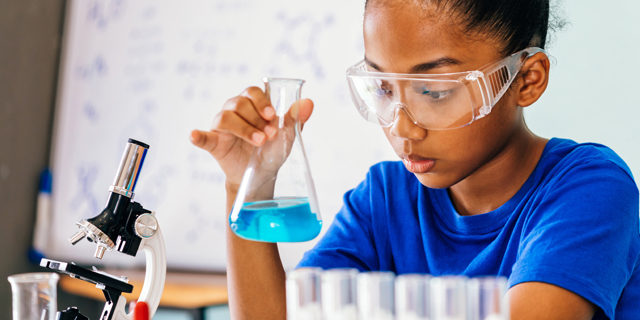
point(146, 225)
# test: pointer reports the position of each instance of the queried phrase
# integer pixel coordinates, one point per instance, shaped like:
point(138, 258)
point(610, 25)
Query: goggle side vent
point(498, 80)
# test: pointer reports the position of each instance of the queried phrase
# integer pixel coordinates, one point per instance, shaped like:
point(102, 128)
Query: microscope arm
point(154, 277)
point(156, 271)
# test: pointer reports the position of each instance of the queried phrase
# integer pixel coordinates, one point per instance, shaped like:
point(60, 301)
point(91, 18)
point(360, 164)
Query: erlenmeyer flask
point(277, 200)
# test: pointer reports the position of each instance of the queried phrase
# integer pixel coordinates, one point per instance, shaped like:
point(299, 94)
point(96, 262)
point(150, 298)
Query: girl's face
point(400, 38)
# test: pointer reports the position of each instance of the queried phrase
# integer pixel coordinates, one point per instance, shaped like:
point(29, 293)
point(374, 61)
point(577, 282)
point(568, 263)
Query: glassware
point(34, 296)
point(412, 297)
point(487, 298)
point(304, 300)
point(449, 298)
point(277, 200)
point(339, 294)
point(375, 295)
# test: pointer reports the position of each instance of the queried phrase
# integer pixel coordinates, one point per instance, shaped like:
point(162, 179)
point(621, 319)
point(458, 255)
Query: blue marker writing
point(43, 218)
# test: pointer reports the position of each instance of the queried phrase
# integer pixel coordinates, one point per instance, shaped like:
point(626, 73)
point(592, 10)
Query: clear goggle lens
point(428, 103)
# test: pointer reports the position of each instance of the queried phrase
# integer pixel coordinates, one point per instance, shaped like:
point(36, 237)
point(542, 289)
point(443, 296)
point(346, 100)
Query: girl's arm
point(255, 276)
point(543, 301)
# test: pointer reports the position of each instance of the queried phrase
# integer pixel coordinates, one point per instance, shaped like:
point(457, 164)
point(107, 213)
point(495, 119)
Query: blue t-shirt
point(574, 223)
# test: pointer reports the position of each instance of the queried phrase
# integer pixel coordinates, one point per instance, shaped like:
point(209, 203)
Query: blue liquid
point(279, 220)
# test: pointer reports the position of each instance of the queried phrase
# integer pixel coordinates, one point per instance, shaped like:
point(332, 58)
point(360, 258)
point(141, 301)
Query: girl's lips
point(420, 166)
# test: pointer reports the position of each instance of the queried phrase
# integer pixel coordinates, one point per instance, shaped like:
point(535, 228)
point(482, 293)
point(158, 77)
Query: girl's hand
point(246, 121)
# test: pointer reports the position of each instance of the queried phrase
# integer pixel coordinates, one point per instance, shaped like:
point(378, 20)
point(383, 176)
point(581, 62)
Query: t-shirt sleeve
point(583, 235)
point(349, 241)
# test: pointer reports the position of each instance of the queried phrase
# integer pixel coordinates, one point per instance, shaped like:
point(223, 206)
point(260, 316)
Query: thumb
point(305, 108)
point(301, 111)
point(141, 311)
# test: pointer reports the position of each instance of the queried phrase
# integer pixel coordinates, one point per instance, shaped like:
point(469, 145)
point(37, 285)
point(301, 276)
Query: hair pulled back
point(516, 24)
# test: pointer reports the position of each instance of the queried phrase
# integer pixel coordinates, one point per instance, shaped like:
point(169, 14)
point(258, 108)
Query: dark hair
point(516, 24)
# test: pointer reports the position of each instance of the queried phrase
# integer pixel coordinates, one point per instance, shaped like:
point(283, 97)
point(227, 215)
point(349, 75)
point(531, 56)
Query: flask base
point(277, 220)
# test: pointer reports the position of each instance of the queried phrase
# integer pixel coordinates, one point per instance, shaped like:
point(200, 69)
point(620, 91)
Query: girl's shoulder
point(562, 156)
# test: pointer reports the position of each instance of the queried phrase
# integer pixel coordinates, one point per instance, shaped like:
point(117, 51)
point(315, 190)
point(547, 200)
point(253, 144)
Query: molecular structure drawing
point(142, 125)
point(84, 202)
point(102, 12)
point(299, 42)
point(96, 68)
point(157, 186)
point(201, 223)
point(90, 111)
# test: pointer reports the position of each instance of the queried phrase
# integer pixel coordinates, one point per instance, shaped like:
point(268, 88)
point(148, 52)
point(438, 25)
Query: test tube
point(449, 298)
point(375, 295)
point(412, 297)
point(339, 294)
point(304, 300)
point(487, 298)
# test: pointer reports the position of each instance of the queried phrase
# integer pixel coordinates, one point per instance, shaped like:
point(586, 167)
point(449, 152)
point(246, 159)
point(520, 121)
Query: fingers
point(247, 117)
point(260, 102)
point(232, 123)
point(204, 140)
point(254, 107)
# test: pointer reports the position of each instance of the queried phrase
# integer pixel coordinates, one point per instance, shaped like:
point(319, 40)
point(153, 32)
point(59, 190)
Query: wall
point(30, 33)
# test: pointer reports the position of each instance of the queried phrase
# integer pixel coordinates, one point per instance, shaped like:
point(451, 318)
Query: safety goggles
point(433, 101)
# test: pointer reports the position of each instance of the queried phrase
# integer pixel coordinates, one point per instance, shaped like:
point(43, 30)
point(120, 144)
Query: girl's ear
point(535, 78)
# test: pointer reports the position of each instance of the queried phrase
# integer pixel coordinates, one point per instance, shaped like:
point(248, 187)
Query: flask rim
point(274, 79)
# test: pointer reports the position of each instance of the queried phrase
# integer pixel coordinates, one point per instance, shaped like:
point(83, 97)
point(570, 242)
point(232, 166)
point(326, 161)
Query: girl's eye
point(437, 95)
point(381, 92)
point(434, 95)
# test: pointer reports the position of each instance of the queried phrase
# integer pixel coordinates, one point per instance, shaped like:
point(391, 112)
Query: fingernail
point(269, 111)
point(270, 131)
point(294, 111)
point(192, 136)
point(257, 137)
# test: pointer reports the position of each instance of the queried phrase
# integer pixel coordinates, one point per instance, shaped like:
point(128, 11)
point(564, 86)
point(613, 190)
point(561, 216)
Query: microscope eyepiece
point(142, 144)
point(129, 168)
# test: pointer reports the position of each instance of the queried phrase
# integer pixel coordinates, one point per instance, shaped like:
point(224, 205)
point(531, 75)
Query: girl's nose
point(404, 127)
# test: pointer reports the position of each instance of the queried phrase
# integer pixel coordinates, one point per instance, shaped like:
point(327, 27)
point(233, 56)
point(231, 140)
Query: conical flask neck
point(283, 93)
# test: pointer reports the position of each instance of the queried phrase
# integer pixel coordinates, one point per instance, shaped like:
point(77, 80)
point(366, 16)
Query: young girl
point(476, 192)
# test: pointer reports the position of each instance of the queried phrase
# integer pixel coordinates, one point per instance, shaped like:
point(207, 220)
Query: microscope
point(124, 226)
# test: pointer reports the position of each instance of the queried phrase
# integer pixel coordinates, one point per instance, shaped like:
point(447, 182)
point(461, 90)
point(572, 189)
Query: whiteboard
point(155, 70)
